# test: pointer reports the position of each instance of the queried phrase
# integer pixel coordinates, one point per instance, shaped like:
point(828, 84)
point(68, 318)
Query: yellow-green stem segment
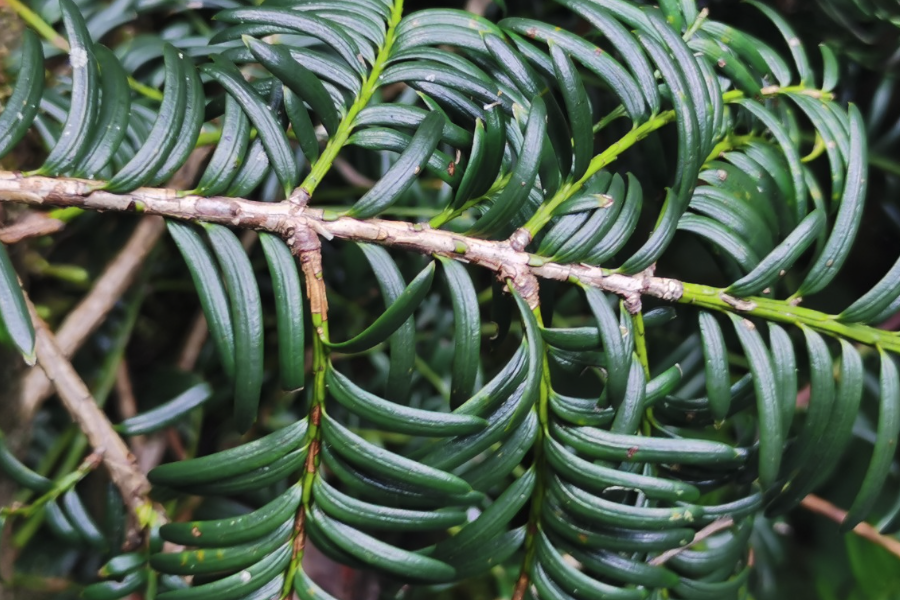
point(47, 32)
point(337, 141)
point(38, 24)
point(60, 486)
point(640, 340)
point(614, 150)
point(711, 298)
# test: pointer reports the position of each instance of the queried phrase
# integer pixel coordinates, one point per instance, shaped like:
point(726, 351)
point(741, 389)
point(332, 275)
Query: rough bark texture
point(289, 219)
point(117, 458)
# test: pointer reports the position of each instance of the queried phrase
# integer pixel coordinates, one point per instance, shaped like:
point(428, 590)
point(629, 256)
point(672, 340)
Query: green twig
point(47, 32)
point(448, 214)
point(785, 312)
point(695, 26)
point(60, 487)
point(38, 24)
point(545, 212)
point(729, 142)
point(616, 113)
point(60, 444)
point(144, 90)
point(370, 86)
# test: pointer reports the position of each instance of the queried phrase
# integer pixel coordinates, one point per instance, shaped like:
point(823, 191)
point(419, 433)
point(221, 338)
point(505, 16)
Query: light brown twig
point(711, 529)
point(92, 310)
point(125, 393)
point(77, 399)
point(34, 224)
point(127, 405)
point(351, 175)
point(286, 218)
point(521, 586)
point(308, 248)
point(193, 343)
point(477, 7)
point(864, 530)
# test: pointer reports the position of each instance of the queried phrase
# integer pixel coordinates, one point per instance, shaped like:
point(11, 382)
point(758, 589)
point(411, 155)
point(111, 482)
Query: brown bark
point(288, 219)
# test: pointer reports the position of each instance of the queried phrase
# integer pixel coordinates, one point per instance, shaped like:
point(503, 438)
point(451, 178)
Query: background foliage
point(745, 188)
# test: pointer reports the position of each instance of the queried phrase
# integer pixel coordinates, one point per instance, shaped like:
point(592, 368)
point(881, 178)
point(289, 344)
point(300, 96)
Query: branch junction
point(291, 220)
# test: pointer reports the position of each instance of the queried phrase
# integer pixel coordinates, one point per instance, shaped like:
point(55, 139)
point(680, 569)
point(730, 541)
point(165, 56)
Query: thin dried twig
point(864, 530)
point(77, 399)
point(193, 343)
point(175, 445)
point(92, 310)
point(477, 7)
point(711, 529)
point(34, 224)
point(148, 449)
point(351, 175)
point(125, 392)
